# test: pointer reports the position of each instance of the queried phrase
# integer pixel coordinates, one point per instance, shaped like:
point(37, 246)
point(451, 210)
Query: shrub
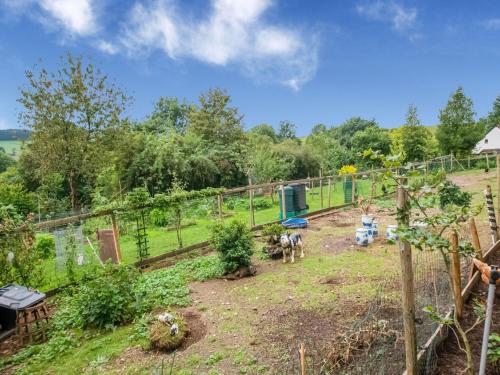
point(159, 218)
point(234, 243)
point(494, 349)
point(450, 193)
point(104, 298)
point(165, 287)
point(45, 247)
point(273, 232)
point(260, 204)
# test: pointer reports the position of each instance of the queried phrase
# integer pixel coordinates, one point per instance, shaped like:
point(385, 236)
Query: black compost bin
point(14, 298)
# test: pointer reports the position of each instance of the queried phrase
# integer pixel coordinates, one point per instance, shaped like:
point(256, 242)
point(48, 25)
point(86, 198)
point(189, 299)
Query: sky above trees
point(305, 61)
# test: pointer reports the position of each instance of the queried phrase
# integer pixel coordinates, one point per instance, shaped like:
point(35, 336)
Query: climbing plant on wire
point(19, 262)
point(435, 209)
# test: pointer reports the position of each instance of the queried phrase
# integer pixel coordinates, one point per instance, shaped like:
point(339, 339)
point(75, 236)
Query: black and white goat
point(289, 242)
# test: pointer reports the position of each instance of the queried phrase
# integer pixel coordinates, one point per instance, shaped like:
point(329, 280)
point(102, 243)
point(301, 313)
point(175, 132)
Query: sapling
point(440, 210)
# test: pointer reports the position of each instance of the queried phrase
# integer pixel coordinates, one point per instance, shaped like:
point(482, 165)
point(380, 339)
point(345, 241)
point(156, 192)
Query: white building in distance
point(490, 144)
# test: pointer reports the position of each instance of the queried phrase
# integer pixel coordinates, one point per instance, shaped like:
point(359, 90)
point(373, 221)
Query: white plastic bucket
point(367, 221)
point(362, 236)
point(370, 235)
point(390, 232)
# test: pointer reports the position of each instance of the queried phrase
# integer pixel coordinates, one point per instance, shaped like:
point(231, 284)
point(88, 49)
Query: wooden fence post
point(487, 162)
point(283, 205)
point(468, 162)
point(250, 196)
point(491, 214)
point(475, 244)
point(219, 205)
point(455, 274)
point(442, 163)
point(410, 333)
point(116, 235)
point(321, 188)
point(451, 162)
point(329, 192)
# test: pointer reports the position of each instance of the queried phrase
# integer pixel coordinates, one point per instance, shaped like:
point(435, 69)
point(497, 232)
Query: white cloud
point(107, 47)
point(234, 32)
point(492, 24)
point(403, 19)
point(77, 17)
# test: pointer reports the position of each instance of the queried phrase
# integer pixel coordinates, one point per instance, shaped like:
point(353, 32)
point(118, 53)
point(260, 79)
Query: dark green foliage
point(45, 246)
point(260, 204)
point(103, 298)
point(234, 243)
point(5, 161)
point(15, 195)
point(450, 193)
point(494, 349)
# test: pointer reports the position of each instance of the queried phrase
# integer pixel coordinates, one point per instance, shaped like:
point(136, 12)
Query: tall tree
point(457, 131)
point(493, 117)
point(168, 114)
point(416, 141)
point(265, 130)
point(345, 132)
point(69, 113)
point(287, 130)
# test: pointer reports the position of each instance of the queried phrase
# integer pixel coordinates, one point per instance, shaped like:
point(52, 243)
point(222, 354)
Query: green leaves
point(234, 243)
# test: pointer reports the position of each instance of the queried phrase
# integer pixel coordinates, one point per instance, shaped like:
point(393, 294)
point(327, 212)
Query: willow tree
point(71, 113)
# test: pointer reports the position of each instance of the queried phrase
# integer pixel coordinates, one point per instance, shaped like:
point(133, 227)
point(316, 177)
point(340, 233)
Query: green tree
point(493, 117)
point(416, 141)
point(168, 114)
point(457, 131)
point(287, 130)
point(265, 130)
point(345, 132)
point(70, 112)
point(5, 161)
point(371, 137)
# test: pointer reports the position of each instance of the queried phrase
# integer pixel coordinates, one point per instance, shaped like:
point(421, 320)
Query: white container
point(367, 221)
point(390, 232)
point(362, 236)
point(375, 228)
point(370, 235)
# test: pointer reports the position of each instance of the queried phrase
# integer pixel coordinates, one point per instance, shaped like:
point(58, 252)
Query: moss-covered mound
point(164, 336)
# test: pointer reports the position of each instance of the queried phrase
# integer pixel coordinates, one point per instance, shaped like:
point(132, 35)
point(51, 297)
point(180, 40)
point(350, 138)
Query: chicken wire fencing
point(374, 343)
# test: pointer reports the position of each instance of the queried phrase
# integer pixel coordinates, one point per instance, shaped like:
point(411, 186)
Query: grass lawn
point(12, 148)
point(255, 325)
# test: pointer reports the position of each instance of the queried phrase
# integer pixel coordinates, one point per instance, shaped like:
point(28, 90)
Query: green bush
point(234, 243)
point(494, 349)
point(159, 218)
point(450, 193)
point(104, 298)
point(45, 247)
point(260, 204)
point(273, 232)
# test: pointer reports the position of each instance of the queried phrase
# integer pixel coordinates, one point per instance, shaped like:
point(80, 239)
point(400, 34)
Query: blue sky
point(305, 61)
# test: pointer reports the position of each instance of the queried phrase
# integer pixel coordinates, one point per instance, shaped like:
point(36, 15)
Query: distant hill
point(14, 134)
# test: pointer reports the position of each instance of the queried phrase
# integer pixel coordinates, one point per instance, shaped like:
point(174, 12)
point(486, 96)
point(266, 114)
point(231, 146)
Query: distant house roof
point(490, 143)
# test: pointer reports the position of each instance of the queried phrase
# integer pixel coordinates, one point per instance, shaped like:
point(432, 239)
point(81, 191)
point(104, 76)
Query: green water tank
point(348, 190)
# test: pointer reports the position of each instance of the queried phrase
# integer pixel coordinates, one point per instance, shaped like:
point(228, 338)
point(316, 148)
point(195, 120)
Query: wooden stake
point(116, 235)
point(219, 205)
point(329, 192)
point(320, 189)
point(283, 205)
point(491, 214)
point(442, 163)
point(475, 244)
point(250, 197)
point(468, 162)
point(451, 162)
point(455, 274)
point(487, 162)
point(498, 187)
point(410, 332)
point(302, 359)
